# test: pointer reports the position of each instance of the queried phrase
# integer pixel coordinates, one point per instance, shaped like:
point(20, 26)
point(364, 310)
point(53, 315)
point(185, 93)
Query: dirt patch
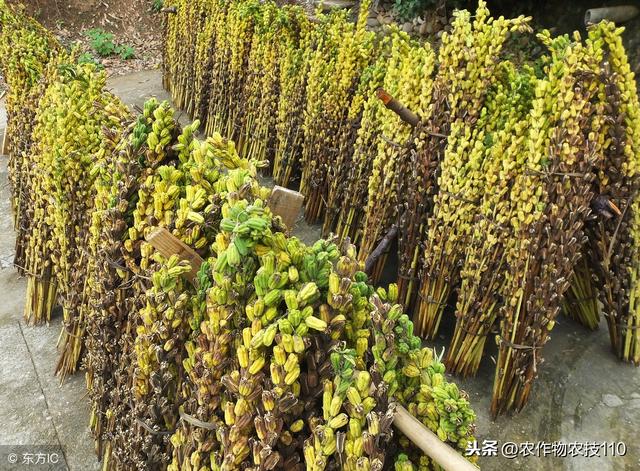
point(132, 23)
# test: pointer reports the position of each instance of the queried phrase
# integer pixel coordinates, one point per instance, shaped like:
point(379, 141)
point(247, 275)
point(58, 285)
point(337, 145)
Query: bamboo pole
point(394, 105)
point(429, 443)
point(617, 14)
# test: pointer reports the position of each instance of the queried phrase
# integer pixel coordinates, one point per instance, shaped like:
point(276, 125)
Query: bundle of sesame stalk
point(461, 179)
point(291, 98)
point(26, 49)
point(342, 50)
point(484, 265)
point(112, 291)
point(348, 190)
point(614, 236)
point(344, 176)
point(188, 35)
point(408, 78)
point(548, 222)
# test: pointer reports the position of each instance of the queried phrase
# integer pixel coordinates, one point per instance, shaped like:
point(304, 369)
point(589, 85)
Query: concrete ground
point(583, 394)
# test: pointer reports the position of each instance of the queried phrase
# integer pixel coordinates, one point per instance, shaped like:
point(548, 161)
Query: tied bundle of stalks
point(229, 69)
point(613, 235)
point(62, 193)
point(345, 176)
point(342, 50)
point(275, 35)
point(461, 181)
point(185, 52)
point(26, 48)
point(484, 266)
point(551, 203)
point(69, 136)
point(408, 78)
point(294, 54)
point(113, 285)
point(350, 194)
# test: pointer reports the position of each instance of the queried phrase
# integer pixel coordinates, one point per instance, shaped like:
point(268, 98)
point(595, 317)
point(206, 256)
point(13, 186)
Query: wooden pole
point(398, 108)
point(380, 249)
point(429, 443)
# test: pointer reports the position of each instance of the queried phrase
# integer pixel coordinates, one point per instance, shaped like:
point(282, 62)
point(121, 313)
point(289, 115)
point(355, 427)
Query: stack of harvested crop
point(461, 181)
point(26, 48)
point(615, 238)
point(484, 266)
point(409, 79)
point(551, 200)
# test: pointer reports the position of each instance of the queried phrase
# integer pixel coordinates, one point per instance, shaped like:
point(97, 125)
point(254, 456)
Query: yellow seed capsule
point(279, 356)
point(363, 464)
point(246, 337)
point(276, 373)
point(268, 401)
point(358, 446)
point(298, 344)
point(270, 335)
point(229, 415)
point(369, 404)
point(309, 453)
point(297, 426)
point(354, 396)
point(355, 428)
point(243, 356)
point(327, 396)
point(291, 363)
point(315, 323)
point(336, 404)
point(257, 365)
point(339, 421)
point(287, 343)
point(292, 376)
point(330, 447)
point(363, 381)
point(241, 407)
point(373, 423)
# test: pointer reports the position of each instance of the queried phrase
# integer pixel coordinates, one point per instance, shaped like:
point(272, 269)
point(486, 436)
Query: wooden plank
point(5, 143)
point(168, 244)
point(448, 458)
point(286, 203)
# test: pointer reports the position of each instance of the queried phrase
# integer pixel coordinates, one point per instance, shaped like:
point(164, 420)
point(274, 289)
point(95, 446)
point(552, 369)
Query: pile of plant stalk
point(273, 355)
point(514, 197)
